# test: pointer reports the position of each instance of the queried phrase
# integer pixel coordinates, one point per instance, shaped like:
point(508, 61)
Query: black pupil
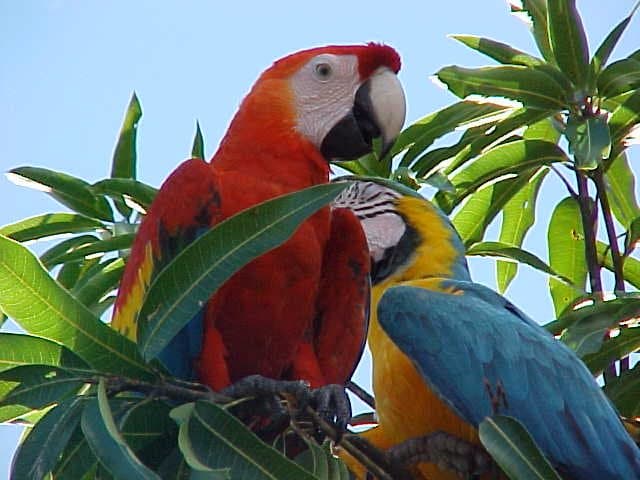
point(323, 70)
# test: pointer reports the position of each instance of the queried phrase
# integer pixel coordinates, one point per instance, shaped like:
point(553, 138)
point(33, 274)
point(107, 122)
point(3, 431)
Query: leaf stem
point(588, 212)
point(616, 257)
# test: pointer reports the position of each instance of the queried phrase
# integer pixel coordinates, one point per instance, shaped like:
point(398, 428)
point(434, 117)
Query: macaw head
point(408, 237)
point(338, 98)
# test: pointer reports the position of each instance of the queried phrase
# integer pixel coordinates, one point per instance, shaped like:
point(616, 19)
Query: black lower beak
point(353, 136)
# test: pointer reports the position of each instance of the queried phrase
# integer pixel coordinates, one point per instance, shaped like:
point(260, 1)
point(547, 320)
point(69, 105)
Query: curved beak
point(378, 112)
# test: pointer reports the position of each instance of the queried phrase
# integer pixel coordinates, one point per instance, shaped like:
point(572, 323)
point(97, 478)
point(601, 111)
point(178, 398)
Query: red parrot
point(300, 311)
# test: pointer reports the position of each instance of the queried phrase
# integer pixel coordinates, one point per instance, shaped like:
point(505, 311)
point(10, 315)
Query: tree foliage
point(76, 383)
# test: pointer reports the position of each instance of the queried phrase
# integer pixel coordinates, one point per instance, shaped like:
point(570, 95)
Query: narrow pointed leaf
point(586, 336)
point(622, 120)
point(505, 131)
point(90, 290)
point(516, 254)
point(631, 267)
point(532, 87)
point(473, 219)
point(197, 150)
point(49, 224)
point(566, 253)
point(179, 291)
point(124, 155)
point(589, 141)
point(508, 159)
point(500, 52)
point(51, 256)
point(217, 440)
point(620, 77)
point(132, 190)
point(43, 308)
point(39, 452)
point(626, 343)
point(513, 448)
point(568, 40)
point(38, 386)
point(536, 10)
point(518, 216)
point(601, 57)
point(621, 190)
point(624, 392)
point(425, 131)
point(68, 190)
point(107, 443)
point(17, 349)
point(77, 459)
point(97, 248)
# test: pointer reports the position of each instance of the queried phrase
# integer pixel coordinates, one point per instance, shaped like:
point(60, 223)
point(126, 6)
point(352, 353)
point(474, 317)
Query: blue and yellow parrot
point(441, 344)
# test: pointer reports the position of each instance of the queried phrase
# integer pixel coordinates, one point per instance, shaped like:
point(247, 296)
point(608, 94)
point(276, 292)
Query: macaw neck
point(440, 252)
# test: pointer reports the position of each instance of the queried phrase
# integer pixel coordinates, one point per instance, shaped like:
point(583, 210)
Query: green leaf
point(134, 192)
point(517, 218)
point(473, 219)
point(50, 257)
point(624, 392)
point(212, 439)
point(49, 224)
point(568, 40)
point(77, 461)
point(619, 77)
point(68, 190)
point(91, 289)
point(107, 443)
point(177, 293)
point(118, 242)
point(17, 349)
point(492, 137)
point(43, 308)
point(39, 386)
point(500, 52)
point(39, 452)
point(621, 190)
point(589, 140)
point(626, 343)
point(601, 57)
point(124, 155)
point(197, 150)
point(516, 254)
point(587, 334)
point(622, 121)
point(426, 130)
point(631, 267)
point(536, 10)
point(532, 87)
point(509, 159)
point(566, 245)
point(514, 450)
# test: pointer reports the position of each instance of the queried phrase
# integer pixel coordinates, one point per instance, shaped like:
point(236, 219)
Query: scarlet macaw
point(276, 317)
point(438, 340)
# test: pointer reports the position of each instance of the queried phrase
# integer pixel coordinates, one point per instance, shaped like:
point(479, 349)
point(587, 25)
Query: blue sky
point(67, 70)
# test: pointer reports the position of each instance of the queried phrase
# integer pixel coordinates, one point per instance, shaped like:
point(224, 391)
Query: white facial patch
point(324, 90)
point(374, 205)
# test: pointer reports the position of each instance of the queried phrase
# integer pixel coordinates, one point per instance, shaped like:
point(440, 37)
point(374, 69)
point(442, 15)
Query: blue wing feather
point(458, 340)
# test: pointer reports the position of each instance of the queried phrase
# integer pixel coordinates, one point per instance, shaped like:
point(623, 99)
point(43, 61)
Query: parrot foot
point(333, 405)
point(447, 451)
point(257, 386)
point(497, 397)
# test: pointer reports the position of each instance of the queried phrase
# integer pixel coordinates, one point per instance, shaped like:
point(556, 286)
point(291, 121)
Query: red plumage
point(298, 312)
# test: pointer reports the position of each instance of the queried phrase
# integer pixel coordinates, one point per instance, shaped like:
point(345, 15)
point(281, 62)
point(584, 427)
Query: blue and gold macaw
point(440, 343)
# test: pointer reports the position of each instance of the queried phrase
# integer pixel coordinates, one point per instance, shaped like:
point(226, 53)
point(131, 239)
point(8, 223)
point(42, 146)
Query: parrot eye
point(323, 71)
